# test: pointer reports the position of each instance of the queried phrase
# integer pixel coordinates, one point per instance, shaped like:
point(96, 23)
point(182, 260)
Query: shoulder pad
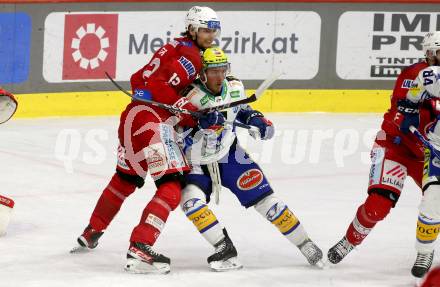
point(232, 78)
point(234, 82)
point(185, 92)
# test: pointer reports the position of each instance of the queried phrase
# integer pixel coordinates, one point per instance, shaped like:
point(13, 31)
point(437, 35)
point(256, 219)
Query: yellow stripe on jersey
point(286, 222)
point(427, 232)
point(203, 219)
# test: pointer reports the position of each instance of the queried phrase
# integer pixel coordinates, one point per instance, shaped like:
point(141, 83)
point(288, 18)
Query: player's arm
point(8, 105)
point(252, 117)
point(249, 116)
point(139, 79)
point(408, 100)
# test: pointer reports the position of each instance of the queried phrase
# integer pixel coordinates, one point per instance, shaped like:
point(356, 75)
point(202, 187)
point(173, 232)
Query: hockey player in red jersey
point(8, 106)
point(148, 142)
point(396, 153)
point(432, 278)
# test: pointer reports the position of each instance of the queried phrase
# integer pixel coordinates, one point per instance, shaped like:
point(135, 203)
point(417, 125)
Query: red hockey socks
point(375, 208)
point(110, 202)
point(155, 214)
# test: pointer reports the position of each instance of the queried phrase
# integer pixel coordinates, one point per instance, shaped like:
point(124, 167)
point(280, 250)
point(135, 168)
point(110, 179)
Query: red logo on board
point(89, 46)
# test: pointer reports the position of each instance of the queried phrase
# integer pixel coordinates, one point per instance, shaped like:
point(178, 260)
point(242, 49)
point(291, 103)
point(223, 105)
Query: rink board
point(112, 103)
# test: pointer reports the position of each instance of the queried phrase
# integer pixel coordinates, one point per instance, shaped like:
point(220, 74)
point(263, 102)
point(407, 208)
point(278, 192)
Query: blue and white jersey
point(426, 85)
point(205, 146)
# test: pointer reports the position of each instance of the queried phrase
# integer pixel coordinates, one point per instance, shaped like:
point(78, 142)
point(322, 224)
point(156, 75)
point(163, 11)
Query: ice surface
point(54, 199)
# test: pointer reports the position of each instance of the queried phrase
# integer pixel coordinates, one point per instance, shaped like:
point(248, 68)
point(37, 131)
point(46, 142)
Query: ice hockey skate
point(422, 264)
point(339, 251)
point(88, 240)
point(225, 256)
point(142, 259)
point(312, 253)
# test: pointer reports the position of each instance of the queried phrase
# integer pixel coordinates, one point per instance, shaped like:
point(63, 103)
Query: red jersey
point(409, 145)
point(171, 69)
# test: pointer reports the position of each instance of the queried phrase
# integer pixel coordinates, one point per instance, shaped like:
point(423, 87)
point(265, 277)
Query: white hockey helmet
point(431, 42)
point(202, 17)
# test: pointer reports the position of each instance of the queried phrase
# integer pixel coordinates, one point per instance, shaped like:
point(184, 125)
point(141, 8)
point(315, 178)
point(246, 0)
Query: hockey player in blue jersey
point(218, 160)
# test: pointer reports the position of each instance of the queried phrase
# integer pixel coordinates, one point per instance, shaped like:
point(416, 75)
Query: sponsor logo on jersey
point(172, 150)
point(427, 230)
point(204, 100)
point(377, 156)
point(187, 66)
point(121, 158)
point(235, 94)
point(394, 174)
point(142, 94)
point(407, 83)
point(186, 43)
point(155, 156)
point(250, 179)
point(203, 219)
point(426, 172)
point(155, 221)
point(89, 46)
point(263, 186)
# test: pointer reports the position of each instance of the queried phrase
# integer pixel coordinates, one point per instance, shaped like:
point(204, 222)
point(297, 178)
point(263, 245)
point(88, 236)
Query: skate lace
point(151, 251)
point(424, 260)
point(221, 247)
point(344, 247)
point(309, 250)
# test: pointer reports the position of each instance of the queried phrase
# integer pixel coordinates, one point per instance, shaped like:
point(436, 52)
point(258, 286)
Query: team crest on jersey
point(407, 83)
point(187, 66)
point(274, 211)
point(235, 94)
point(250, 179)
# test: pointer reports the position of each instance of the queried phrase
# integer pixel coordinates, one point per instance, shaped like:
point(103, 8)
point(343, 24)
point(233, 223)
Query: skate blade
point(227, 265)
point(321, 264)
point(137, 266)
point(79, 249)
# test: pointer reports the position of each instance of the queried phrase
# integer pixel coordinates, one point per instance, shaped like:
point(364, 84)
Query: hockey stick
point(258, 93)
point(424, 141)
point(157, 104)
point(260, 90)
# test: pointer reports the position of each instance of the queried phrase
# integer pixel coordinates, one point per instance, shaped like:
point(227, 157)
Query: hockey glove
point(211, 120)
point(265, 127)
point(407, 115)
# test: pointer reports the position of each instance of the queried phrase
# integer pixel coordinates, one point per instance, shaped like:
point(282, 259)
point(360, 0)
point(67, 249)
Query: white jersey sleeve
point(426, 85)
